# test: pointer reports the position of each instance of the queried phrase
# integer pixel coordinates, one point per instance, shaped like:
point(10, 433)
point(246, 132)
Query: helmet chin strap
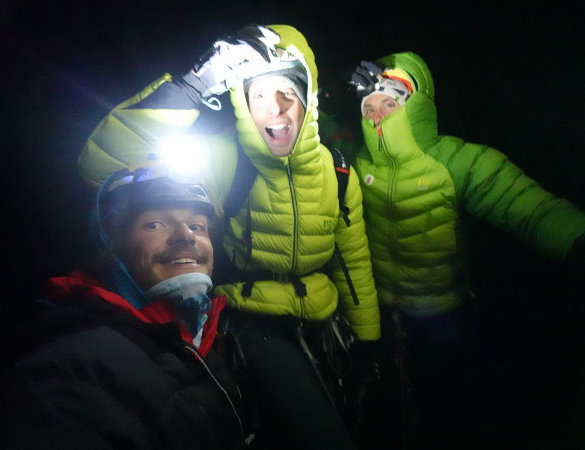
point(187, 294)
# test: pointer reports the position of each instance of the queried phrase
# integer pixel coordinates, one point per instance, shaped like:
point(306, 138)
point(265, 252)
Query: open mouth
point(278, 132)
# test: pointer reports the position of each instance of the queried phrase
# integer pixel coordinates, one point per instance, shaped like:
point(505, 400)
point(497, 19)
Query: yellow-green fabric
point(416, 186)
point(293, 205)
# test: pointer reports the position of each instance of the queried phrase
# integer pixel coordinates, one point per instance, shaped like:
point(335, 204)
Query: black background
point(508, 76)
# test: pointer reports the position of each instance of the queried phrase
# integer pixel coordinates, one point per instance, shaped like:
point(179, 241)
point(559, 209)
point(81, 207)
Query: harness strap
point(265, 275)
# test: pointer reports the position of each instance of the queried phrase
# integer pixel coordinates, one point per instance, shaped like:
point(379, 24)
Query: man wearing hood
point(290, 258)
point(418, 185)
point(121, 355)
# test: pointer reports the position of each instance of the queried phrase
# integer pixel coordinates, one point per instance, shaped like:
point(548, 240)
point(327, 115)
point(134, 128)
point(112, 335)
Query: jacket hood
point(252, 142)
point(413, 65)
point(415, 122)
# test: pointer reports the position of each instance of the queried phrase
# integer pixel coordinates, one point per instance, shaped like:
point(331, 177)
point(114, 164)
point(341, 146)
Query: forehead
point(186, 213)
point(270, 83)
point(376, 100)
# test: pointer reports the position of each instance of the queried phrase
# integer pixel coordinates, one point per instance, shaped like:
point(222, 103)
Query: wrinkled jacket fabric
point(292, 208)
point(90, 372)
point(416, 185)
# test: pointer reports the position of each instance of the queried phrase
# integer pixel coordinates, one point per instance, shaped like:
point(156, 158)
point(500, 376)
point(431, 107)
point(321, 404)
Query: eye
point(199, 228)
point(154, 225)
point(390, 105)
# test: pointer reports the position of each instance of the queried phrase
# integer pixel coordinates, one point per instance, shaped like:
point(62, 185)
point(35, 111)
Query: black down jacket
point(91, 375)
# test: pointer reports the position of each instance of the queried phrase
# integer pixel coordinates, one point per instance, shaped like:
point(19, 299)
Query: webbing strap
point(265, 275)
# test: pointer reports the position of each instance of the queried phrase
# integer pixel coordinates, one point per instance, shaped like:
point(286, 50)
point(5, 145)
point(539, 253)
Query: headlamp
point(281, 61)
point(184, 155)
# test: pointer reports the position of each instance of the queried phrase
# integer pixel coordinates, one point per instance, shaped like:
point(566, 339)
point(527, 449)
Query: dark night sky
point(506, 76)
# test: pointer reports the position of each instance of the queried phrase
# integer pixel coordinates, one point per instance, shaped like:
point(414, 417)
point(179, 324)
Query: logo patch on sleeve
point(422, 184)
point(369, 179)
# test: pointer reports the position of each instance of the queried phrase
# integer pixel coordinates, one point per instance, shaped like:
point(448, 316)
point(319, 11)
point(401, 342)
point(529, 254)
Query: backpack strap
point(341, 261)
point(342, 173)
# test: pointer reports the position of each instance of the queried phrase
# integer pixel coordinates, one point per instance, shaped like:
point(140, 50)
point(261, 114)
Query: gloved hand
point(232, 58)
point(364, 78)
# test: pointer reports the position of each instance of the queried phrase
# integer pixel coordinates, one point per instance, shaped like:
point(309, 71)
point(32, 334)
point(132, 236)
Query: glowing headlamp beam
point(185, 155)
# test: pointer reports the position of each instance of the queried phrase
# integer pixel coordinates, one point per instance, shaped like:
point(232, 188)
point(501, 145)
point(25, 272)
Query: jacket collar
point(79, 283)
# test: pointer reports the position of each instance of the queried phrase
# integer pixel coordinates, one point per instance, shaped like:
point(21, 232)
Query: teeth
point(183, 261)
point(278, 127)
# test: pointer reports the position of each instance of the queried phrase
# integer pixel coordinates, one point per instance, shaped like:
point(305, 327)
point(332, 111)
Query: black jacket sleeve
point(96, 389)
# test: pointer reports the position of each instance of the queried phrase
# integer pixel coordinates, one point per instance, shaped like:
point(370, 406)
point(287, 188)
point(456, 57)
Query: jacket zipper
point(222, 389)
point(295, 216)
point(295, 231)
point(391, 180)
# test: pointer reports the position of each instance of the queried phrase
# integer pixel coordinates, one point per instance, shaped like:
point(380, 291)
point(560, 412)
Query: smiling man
point(164, 243)
point(123, 357)
point(159, 226)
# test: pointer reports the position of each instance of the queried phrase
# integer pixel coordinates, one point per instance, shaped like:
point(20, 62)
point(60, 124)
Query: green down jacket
point(416, 184)
point(292, 209)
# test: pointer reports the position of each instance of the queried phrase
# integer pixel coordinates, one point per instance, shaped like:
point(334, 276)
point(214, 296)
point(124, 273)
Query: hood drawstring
point(381, 142)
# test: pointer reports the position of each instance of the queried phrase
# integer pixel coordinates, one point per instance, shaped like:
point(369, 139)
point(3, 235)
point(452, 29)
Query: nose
point(278, 103)
point(182, 234)
point(378, 116)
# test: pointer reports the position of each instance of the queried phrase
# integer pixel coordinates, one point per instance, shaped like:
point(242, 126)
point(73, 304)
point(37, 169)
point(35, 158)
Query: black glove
point(364, 78)
point(233, 58)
